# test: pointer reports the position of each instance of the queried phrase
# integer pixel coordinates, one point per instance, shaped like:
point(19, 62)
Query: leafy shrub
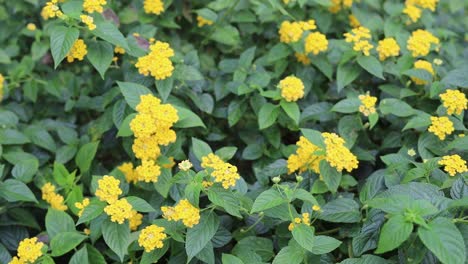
point(294, 131)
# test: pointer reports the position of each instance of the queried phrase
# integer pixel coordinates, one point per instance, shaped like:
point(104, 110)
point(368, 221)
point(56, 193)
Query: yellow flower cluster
point(353, 21)
point(428, 4)
point(151, 237)
point(441, 126)
point(292, 88)
point(337, 5)
point(315, 43)
point(54, 199)
point(388, 47)
point(119, 50)
point(119, 210)
point(31, 26)
point(2, 80)
point(189, 214)
point(292, 31)
point(157, 62)
point(89, 21)
point(306, 157)
point(152, 128)
point(82, 206)
point(135, 220)
point(222, 171)
point(419, 44)
point(77, 51)
point(201, 21)
point(453, 164)
point(337, 155)
point(413, 12)
point(92, 6)
point(108, 189)
point(153, 6)
point(302, 58)
point(454, 101)
point(29, 250)
point(367, 106)
point(360, 38)
point(185, 165)
point(424, 65)
point(305, 220)
point(51, 10)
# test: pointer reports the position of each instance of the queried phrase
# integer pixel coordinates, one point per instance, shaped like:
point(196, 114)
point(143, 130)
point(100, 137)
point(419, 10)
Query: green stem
point(331, 231)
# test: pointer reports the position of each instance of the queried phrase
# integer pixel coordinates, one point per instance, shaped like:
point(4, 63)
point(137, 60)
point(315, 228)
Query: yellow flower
point(292, 31)
point(201, 21)
point(441, 126)
point(454, 101)
point(367, 106)
point(82, 206)
point(146, 148)
point(315, 43)
point(316, 208)
point(127, 169)
point(292, 88)
point(305, 158)
point(305, 220)
point(152, 237)
point(286, 2)
point(419, 44)
point(119, 211)
point(77, 51)
point(453, 164)
point(413, 12)
point(51, 10)
point(87, 231)
point(428, 4)
point(108, 189)
point(157, 62)
point(148, 171)
point(360, 37)
point(425, 65)
point(2, 81)
point(16, 260)
point(170, 164)
point(119, 50)
point(223, 172)
point(337, 155)
point(388, 47)
point(184, 211)
point(302, 58)
point(89, 21)
point(337, 5)
point(29, 250)
point(31, 26)
point(185, 165)
point(353, 21)
point(54, 199)
point(411, 152)
point(153, 6)
point(92, 6)
point(135, 220)
point(207, 184)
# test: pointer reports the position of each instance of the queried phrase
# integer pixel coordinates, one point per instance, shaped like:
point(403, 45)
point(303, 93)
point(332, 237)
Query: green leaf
point(226, 34)
point(394, 232)
point(226, 153)
point(14, 190)
point(125, 130)
point(292, 110)
point(58, 222)
point(61, 40)
point(94, 256)
point(396, 107)
point(444, 240)
point(164, 87)
point(341, 210)
point(132, 92)
point(267, 115)
point(100, 54)
point(372, 65)
point(85, 156)
point(154, 255)
point(324, 244)
point(456, 78)
point(304, 235)
point(231, 259)
point(198, 236)
point(266, 200)
point(62, 176)
point(80, 257)
point(331, 176)
point(64, 242)
point(12, 137)
point(109, 32)
point(117, 237)
point(225, 199)
point(25, 170)
point(164, 183)
point(40, 137)
point(139, 204)
point(200, 148)
point(314, 136)
point(345, 75)
point(290, 255)
point(93, 210)
point(187, 118)
point(347, 106)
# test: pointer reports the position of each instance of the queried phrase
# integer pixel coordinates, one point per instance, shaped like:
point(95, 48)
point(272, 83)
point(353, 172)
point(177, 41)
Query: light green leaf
point(58, 222)
point(393, 233)
point(266, 200)
point(117, 237)
point(85, 156)
point(64, 242)
point(139, 204)
point(14, 190)
point(200, 148)
point(324, 244)
point(372, 65)
point(341, 210)
point(304, 235)
point(267, 115)
point(199, 235)
point(347, 106)
point(331, 176)
point(132, 92)
point(292, 110)
point(100, 54)
point(61, 40)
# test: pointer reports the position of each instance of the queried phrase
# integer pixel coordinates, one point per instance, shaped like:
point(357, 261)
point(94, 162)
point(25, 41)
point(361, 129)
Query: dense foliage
point(233, 131)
